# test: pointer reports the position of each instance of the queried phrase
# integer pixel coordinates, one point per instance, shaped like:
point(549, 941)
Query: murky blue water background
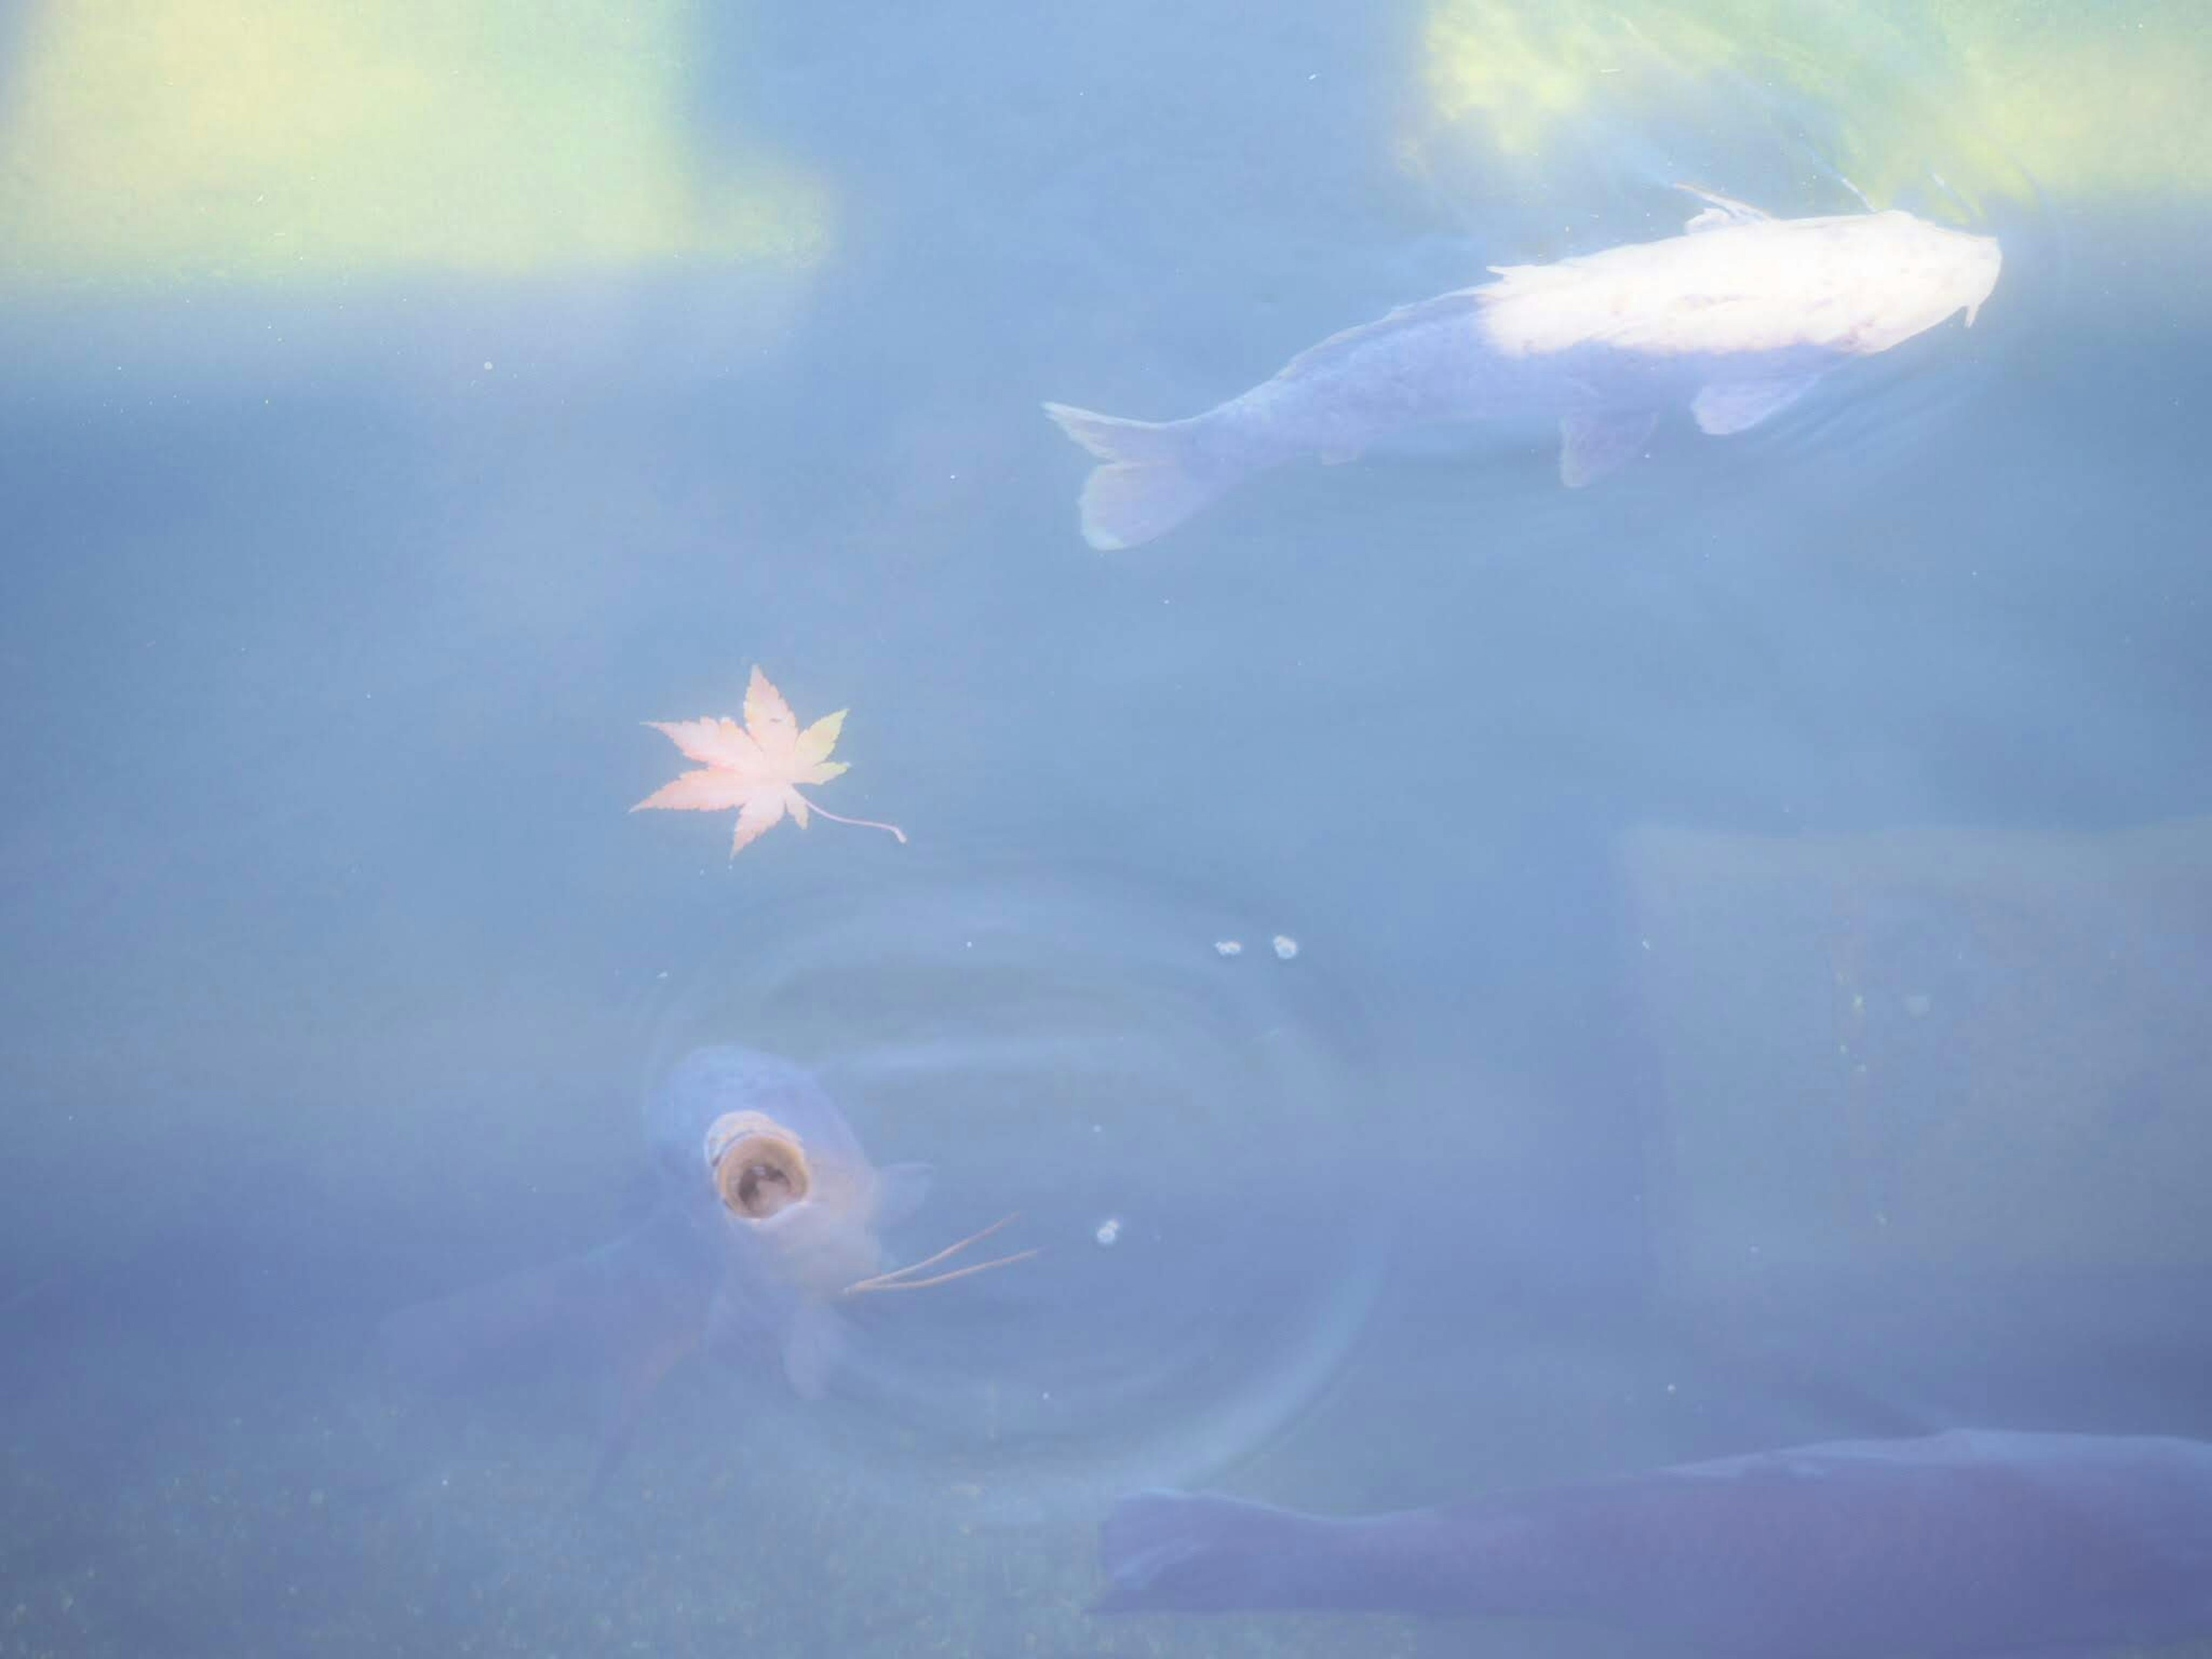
point(1751, 918)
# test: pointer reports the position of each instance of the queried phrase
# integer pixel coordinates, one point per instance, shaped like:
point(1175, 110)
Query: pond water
point(1463, 982)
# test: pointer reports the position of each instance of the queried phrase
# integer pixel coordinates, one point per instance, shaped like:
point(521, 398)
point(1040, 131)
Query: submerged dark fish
point(1962, 1544)
point(767, 1225)
point(1734, 319)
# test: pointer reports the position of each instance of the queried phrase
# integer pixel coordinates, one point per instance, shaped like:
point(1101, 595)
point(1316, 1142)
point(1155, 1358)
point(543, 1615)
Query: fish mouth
point(759, 1167)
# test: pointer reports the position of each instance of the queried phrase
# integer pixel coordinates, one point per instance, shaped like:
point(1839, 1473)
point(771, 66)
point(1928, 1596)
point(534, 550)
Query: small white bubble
point(1228, 947)
point(1285, 946)
point(1109, 1229)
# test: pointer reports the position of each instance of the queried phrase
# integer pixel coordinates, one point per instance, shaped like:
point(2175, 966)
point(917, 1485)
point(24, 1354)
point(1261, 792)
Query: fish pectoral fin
point(1594, 444)
point(900, 1190)
point(1728, 406)
point(814, 1345)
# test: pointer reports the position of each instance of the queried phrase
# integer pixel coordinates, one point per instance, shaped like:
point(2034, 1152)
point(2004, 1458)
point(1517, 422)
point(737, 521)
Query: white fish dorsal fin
point(1721, 210)
point(1524, 278)
point(1462, 303)
point(1594, 444)
point(1437, 305)
point(1728, 406)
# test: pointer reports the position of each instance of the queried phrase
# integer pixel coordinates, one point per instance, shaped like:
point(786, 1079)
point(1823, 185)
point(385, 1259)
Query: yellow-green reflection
point(300, 141)
point(1993, 96)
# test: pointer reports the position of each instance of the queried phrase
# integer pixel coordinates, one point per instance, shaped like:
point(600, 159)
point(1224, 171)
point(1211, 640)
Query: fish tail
point(613, 1324)
point(454, 1341)
point(1199, 1552)
point(1150, 478)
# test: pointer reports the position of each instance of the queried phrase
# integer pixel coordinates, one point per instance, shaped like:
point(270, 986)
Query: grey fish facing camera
point(1964, 1544)
point(1734, 319)
point(766, 1231)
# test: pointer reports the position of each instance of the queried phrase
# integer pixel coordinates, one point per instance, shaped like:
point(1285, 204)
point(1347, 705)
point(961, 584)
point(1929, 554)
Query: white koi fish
point(1735, 320)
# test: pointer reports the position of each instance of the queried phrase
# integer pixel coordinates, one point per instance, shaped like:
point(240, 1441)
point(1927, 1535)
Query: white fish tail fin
point(1150, 477)
point(1197, 1552)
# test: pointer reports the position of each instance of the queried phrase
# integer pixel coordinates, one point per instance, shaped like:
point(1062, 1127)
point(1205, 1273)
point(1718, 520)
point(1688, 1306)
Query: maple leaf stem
point(863, 823)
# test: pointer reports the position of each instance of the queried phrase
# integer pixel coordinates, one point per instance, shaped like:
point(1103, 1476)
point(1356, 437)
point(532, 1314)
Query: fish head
point(763, 1156)
point(1939, 272)
point(812, 1213)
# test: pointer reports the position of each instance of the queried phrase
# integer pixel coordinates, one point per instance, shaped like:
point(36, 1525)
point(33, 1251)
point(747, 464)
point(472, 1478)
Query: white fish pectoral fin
point(1721, 210)
point(900, 1189)
point(814, 1345)
point(1728, 406)
point(1593, 445)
